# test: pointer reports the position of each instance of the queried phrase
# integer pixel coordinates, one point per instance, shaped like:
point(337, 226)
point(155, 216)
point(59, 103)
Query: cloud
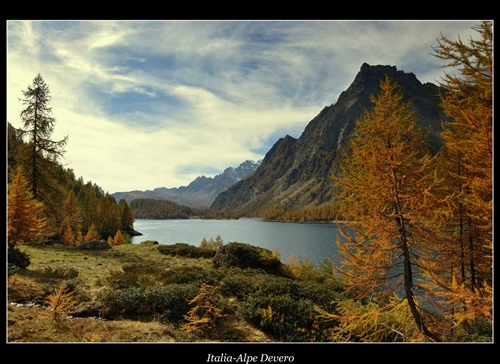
point(149, 104)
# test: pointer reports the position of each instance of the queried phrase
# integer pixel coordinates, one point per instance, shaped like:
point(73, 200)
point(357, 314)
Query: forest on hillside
point(149, 208)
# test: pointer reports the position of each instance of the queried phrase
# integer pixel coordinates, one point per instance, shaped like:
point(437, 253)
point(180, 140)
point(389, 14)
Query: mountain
point(295, 173)
point(200, 193)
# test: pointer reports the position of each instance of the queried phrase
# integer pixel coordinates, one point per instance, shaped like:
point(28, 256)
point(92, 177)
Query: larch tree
point(381, 188)
point(25, 220)
point(71, 227)
point(464, 273)
point(87, 202)
point(126, 216)
point(42, 153)
point(108, 221)
point(118, 238)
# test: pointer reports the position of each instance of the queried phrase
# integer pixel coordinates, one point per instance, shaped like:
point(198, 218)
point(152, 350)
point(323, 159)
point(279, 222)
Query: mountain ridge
point(295, 173)
point(200, 192)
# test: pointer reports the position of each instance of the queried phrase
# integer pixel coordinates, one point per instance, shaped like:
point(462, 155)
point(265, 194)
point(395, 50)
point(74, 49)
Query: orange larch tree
point(464, 272)
point(382, 189)
point(25, 220)
point(71, 226)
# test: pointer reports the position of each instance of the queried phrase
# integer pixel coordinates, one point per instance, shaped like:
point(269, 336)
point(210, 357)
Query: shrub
point(283, 316)
point(246, 256)
point(169, 302)
point(17, 258)
point(323, 296)
point(284, 308)
point(185, 250)
point(238, 284)
point(192, 275)
point(277, 285)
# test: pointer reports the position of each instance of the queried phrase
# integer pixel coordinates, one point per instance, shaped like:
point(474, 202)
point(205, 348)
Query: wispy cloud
point(157, 103)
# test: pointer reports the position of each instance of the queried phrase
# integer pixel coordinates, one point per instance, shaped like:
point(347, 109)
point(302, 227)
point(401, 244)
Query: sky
point(148, 104)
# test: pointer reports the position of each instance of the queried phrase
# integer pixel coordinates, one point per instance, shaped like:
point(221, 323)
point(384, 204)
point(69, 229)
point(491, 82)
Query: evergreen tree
point(381, 189)
point(38, 127)
point(40, 154)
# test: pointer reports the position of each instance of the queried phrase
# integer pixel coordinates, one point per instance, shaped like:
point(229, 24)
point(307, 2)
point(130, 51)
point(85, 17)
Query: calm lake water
point(314, 242)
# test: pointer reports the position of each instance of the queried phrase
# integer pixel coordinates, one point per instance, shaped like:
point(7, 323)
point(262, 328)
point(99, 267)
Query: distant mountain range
point(200, 193)
point(295, 173)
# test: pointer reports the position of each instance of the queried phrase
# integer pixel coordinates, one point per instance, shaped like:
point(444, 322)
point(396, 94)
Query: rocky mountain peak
point(296, 172)
point(201, 192)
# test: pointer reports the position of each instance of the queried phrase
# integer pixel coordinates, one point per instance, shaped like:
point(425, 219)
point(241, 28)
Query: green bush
point(284, 308)
point(284, 317)
point(246, 256)
point(239, 282)
point(321, 295)
point(164, 303)
point(185, 250)
point(192, 275)
point(277, 285)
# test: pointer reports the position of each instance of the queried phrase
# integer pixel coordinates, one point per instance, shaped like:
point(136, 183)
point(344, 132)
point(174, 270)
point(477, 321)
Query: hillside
point(141, 293)
point(295, 173)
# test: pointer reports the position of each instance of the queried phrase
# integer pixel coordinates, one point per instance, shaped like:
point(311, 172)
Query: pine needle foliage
point(383, 189)
point(61, 303)
point(464, 275)
point(25, 220)
point(358, 322)
point(205, 311)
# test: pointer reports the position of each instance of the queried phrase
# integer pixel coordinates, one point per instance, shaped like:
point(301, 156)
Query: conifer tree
point(92, 234)
point(87, 202)
point(126, 216)
point(464, 273)
point(25, 219)
point(108, 219)
point(71, 228)
point(381, 189)
point(38, 127)
point(119, 239)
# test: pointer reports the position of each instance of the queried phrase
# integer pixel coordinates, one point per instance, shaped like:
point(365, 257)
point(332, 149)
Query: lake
point(312, 242)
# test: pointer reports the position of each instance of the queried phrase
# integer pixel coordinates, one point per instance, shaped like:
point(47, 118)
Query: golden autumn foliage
point(61, 302)
point(25, 219)
point(118, 239)
point(71, 227)
point(205, 311)
point(421, 226)
point(371, 323)
point(382, 187)
point(464, 164)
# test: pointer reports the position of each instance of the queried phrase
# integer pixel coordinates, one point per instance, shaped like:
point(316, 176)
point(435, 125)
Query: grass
point(88, 273)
